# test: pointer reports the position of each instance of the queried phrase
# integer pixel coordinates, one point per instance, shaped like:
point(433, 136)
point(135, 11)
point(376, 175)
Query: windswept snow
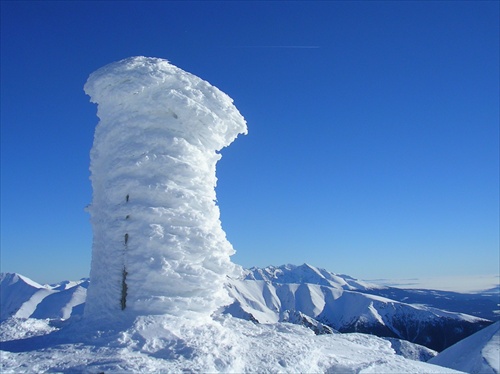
point(20, 295)
point(307, 274)
point(23, 298)
point(219, 344)
point(158, 242)
point(411, 351)
point(479, 353)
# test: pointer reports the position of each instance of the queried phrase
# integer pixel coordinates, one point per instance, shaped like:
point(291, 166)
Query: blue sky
point(373, 145)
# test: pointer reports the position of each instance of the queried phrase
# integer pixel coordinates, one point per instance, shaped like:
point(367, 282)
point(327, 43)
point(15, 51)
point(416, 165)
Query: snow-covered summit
point(158, 242)
point(342, 303)
point(19, 295)
point(15, 278)
point(36, 338)
point(478, 353)
point(306, 273)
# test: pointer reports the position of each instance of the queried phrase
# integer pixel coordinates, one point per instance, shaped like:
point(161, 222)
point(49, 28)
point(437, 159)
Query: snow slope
point(324, 309)
point(307, 274)
point(219, 344)
point(479, 353)
point(21, 297)
point(340, 302)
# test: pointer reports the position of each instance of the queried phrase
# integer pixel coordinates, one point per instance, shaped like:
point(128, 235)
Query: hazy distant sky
point(373, 145)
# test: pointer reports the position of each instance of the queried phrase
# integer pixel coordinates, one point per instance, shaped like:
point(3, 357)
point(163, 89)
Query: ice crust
point(154, 216)
point(174, 344)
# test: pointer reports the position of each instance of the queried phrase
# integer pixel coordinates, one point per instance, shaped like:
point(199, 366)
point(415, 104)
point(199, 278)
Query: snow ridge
point(23, 298)
point(306, 273)
point(340, 302)
point(173, 343)
point(479, 353)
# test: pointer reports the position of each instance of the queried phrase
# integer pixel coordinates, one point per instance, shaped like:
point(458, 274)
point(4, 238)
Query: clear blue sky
point(373, 146)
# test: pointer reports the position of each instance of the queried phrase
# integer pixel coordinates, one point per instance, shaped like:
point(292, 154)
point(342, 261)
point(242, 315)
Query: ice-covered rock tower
point(158, 245)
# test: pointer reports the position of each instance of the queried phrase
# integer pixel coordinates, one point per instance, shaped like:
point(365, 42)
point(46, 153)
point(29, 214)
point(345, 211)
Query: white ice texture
point(158, 245)
point(478, 353)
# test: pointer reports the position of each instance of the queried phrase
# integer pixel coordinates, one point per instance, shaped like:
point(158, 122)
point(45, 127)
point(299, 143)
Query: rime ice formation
point(156, 227)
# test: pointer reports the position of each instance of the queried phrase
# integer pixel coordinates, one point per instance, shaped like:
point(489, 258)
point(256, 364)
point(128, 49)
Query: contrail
point(280, 46)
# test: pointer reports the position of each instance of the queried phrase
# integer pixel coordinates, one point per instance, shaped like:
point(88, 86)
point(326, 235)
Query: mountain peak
point(11, 278)
point(307, 273)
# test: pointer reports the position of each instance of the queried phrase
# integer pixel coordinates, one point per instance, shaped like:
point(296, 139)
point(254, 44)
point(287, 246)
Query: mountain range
point(418, 323)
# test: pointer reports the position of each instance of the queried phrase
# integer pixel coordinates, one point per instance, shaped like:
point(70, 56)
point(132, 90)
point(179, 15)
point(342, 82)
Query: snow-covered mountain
point(342, 303)
point(44, 342)
point(35, 338)
point(318, 299)
point(479, 353)
point(21, 297)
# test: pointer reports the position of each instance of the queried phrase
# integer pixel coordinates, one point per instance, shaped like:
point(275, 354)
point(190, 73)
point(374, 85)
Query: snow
point(60, 305)
point(306, 273)
point(158, 242)
point(220, 344)
point(264, 296)
point(411, 351)
point(23, 298)
point(21, 328)
point(20, 295)
point(478, 353)
point(157, 294)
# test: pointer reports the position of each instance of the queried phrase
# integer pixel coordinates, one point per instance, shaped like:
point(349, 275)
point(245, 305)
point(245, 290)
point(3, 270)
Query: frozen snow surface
point(220, 344)
point(158, 243)
point(217, 343)
point(479, 353)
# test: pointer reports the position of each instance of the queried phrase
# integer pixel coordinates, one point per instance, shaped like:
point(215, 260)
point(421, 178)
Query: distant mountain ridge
point(344, 304)
point(306, 273)
point(316, 298)
point(23, 298)
point(484, 305)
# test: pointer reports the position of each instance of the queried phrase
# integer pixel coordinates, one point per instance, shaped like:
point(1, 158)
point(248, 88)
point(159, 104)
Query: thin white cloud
point(445, 283)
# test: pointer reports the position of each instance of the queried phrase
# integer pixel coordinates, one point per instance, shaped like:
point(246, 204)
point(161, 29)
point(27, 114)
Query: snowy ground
point(479, 353)
point(222, 344)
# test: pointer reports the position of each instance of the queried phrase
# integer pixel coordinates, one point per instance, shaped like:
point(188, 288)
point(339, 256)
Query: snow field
point(221, 344)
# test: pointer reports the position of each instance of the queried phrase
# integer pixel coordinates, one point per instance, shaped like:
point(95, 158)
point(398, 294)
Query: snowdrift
point(479, 353)
point(218, 344)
